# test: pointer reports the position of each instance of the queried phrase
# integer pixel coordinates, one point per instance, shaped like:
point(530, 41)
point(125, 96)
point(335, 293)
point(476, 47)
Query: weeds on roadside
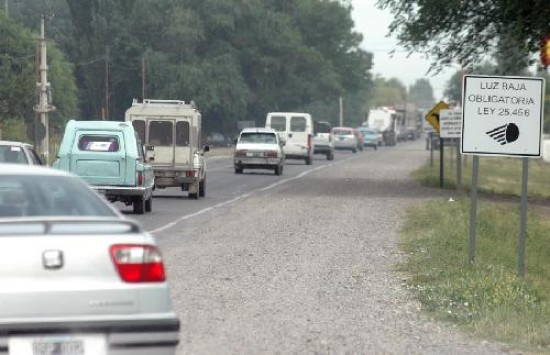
point(487, 297)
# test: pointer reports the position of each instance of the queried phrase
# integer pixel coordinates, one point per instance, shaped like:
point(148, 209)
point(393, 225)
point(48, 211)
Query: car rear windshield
point(12, 154)
point(342, 132)
point(96, 143)
point(321, 127)
point(38, 195)
point(254, 137)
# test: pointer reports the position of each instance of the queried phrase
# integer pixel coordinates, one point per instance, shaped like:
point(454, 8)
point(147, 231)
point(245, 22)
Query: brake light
point(139, 178)
point(138, 263)
point(191, 173)
point(309, 141)
point(271, 154)
point(240, 153)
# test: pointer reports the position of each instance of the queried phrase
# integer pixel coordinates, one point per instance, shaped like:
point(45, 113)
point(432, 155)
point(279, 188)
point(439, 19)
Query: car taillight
point(240, 153)
point(309, 141)
point(271, 154)
point(138, 263)
point(191, 173)
point(139, 178)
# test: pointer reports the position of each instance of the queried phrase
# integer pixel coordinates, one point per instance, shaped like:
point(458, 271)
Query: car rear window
point(12, 154)
point(254, 137)
point(38, 195)
point(98, 143)
point(342, 132)
point(322, 127)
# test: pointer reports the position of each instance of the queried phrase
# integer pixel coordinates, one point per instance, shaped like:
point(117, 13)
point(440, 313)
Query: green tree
point(466, 32)
point(388, 92)
point(421, 93)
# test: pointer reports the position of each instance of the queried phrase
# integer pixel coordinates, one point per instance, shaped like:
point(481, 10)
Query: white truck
point(171, 131)
point(384, 120)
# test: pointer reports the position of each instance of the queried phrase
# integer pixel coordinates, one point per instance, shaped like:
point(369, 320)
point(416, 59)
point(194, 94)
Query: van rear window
point(93, 143)
point(278, 123)
point(297, 124)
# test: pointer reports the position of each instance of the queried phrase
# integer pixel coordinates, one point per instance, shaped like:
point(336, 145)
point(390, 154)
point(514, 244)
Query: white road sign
point(450, 123)
point(502, 115)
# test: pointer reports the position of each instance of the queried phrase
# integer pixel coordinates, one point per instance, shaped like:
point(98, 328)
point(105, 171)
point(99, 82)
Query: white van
point(296, 130)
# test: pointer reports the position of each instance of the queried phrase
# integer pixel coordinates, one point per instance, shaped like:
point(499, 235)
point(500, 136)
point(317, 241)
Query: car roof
point(13, 143)
point(258, 130)
point(343, 128)
point(23, 169)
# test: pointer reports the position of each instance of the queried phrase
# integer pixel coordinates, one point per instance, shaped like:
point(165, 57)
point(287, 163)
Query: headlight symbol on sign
point(504, 134)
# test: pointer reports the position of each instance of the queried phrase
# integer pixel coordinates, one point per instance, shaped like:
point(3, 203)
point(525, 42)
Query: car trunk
point(85, 284)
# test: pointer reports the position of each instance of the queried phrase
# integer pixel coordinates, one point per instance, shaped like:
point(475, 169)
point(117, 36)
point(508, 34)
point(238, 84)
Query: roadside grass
point(486, 298)
point(497, 175)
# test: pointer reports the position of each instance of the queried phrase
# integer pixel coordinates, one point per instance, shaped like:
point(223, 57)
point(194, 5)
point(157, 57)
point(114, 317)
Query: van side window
point(278, 123)
point(297, 124)
point(182, 134)
point(139, 127)
point(160, 133)
point(93, 143)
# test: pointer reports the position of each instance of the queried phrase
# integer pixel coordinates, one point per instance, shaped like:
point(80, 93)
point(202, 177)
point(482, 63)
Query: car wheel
point(194, 196)
point(149, 204)
point(238, 170)
point(202, 187)
point(308, 160)
point(354, 150)
point(278, 170)
point(139, 205)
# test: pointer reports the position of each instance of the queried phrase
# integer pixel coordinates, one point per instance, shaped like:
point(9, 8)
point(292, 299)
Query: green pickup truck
point(109, 156)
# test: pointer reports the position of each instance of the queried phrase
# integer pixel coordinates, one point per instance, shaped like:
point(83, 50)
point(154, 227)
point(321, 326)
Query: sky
point(373, 24)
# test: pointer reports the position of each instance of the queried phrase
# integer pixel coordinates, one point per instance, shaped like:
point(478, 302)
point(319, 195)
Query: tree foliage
point(465, 32)
point(388, 92)
point(421, 93)
point(18, 76)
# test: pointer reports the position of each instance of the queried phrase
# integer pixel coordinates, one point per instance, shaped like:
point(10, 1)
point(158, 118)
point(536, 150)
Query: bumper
point(322, 149)
point(115, 337)
point(349, 145)
point(121, 190)
point(259, 163)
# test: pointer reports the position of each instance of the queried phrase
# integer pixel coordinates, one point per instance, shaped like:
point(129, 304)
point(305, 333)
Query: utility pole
point(44, 104)
point(106, 111)
point(7, 8)
point(341, 112)
point(142, 78)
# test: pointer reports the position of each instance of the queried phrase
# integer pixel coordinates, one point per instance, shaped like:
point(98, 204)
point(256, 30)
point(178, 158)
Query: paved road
point(300, 263)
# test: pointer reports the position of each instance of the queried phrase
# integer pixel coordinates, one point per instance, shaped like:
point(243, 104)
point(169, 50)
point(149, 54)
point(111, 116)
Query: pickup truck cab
point(171, 131)
point(109, 156)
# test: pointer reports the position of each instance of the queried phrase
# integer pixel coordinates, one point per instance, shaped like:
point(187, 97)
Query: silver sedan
point(78, 277)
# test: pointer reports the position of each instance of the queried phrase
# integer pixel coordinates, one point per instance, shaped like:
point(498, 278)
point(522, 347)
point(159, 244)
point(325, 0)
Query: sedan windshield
point(265, 138)
point(37, 195)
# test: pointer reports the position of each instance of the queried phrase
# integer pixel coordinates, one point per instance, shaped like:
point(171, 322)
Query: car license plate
point(59, 344)
point(73, 347)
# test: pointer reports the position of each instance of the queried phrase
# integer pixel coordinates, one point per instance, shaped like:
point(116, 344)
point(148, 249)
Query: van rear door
point(99, 157)
point(299, 137)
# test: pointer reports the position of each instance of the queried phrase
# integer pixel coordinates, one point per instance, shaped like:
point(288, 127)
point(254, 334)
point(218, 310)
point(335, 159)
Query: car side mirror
point(149, 147)
point(283, 143)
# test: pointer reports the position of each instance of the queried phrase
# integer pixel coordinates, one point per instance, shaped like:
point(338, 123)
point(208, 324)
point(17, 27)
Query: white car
point(259, 148)
point(345, 138)
point(77, 276)
point(323, 141)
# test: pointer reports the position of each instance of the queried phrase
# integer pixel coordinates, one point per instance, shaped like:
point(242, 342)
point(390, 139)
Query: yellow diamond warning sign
point(433, 115)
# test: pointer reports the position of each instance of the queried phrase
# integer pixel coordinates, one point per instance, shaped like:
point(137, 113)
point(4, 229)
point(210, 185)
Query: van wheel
point(202, 187)
point(149, 204)
point(238, 170)
point(278, 170)
point(354, 150)
point(139, 205)
point(308, 160)
point(193, 196)
point(330, 156)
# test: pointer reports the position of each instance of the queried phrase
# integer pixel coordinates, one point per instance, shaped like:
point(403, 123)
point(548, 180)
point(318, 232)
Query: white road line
point(246, 195)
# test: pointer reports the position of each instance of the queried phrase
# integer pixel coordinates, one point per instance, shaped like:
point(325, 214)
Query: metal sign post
point(473, 209)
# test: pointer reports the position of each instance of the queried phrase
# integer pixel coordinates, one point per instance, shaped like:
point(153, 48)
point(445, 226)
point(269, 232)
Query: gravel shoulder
point(309, 268)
